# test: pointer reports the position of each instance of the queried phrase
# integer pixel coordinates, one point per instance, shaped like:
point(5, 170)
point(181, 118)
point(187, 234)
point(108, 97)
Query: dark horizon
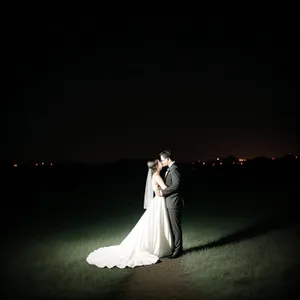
point(209, 161)
point(96, 89)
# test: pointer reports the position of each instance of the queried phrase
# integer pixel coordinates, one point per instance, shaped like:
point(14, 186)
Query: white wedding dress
point(149, 240)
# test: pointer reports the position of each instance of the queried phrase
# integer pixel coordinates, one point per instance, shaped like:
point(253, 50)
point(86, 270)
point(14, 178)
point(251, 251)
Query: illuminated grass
point(232, 257)
point(54, 265)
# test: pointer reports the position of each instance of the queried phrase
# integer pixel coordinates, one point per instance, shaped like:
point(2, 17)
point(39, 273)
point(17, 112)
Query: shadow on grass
point(258, 229)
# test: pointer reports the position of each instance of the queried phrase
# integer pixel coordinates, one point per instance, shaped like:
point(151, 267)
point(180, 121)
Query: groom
point(174, 200)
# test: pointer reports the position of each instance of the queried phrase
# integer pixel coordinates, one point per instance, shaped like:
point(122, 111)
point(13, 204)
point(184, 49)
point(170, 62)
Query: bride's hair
point(152, 165)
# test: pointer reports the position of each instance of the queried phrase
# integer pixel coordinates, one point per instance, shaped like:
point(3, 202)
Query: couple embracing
point(158, 232)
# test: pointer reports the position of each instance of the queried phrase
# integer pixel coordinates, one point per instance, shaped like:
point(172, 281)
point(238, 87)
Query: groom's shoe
point(176, 254)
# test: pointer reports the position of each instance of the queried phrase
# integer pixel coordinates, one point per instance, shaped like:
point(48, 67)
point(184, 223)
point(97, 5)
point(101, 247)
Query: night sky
point(92, 85)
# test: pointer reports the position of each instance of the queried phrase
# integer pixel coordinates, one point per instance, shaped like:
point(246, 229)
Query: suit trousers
point(175, 222)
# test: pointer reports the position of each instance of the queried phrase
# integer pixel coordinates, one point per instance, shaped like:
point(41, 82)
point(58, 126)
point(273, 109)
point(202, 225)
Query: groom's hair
point(166, 154)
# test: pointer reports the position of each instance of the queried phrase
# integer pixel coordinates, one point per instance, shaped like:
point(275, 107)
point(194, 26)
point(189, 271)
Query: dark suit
point(174, 204)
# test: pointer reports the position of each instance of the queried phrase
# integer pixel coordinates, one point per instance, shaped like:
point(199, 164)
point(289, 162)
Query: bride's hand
point(158, 192)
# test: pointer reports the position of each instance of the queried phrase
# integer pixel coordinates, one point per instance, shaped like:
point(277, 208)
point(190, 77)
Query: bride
point(149, 240)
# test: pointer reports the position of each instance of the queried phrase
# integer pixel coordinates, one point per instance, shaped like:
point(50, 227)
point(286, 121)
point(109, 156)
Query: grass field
point(238, 258)
point(240, 233)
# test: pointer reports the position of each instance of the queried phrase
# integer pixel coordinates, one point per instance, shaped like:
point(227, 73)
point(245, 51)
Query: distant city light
point(214, 162)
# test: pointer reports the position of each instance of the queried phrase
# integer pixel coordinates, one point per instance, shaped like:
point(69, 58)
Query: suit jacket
point(172, 193)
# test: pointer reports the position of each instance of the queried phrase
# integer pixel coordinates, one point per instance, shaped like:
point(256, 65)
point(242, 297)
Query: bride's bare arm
point(160, 182)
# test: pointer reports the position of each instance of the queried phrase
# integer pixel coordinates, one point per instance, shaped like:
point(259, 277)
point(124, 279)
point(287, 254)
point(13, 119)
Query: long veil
point(148, 190)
